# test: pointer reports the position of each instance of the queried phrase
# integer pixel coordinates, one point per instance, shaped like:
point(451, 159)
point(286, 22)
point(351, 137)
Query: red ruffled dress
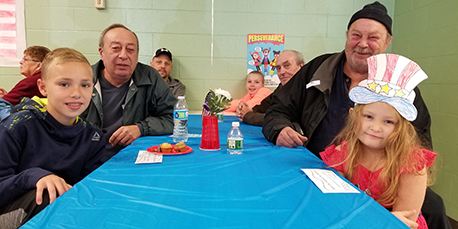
point(332, 156)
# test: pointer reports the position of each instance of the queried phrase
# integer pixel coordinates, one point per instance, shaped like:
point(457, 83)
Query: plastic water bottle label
point(220, 117)
point(180, 114)
point(235, 144)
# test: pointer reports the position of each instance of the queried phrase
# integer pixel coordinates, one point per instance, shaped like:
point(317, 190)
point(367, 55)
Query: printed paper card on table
point(262, 53)
point(329, 182)
point(145, 157)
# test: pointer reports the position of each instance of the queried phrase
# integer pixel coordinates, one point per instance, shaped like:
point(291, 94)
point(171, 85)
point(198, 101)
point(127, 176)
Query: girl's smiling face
point(377, 122)
point(254, 81)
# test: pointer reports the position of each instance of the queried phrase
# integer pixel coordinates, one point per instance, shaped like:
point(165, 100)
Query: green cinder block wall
point(427, 32)
point(207, 38)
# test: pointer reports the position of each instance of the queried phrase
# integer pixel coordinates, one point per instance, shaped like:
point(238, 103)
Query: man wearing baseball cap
point(162, 62)
point(312, 107)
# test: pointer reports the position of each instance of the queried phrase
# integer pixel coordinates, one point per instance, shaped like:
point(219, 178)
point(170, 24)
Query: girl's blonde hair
point(256, 73)
point(402, 147)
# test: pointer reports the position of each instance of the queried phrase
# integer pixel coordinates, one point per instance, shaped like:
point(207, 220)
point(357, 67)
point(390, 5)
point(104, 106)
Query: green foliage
point(217, 103)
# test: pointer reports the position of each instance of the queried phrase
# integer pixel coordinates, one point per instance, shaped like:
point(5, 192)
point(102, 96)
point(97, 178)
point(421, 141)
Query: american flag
point(206, 108)
point(8, 34)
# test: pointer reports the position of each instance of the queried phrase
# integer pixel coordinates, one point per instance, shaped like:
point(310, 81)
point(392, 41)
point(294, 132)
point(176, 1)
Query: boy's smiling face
point(68, 87)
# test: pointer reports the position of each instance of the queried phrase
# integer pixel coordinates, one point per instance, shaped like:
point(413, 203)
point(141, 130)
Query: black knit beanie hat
point(375, 11)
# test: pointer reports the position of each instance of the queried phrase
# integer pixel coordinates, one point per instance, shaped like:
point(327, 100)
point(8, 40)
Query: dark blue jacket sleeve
point(12, 183)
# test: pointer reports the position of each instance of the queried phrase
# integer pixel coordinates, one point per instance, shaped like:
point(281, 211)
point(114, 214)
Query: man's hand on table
point(290, 138)
point(241, 110)
point(55, 185)
point(125, 135)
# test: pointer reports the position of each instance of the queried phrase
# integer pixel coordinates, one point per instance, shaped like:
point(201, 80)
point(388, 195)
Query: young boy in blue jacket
point(45, 148)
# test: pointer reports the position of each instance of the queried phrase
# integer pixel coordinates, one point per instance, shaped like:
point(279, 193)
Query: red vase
point(210, 134)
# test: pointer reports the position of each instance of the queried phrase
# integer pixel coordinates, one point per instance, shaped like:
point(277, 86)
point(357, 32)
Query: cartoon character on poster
point(273, 62)
point(265, 60)
point(256, 60)
point(262, 53)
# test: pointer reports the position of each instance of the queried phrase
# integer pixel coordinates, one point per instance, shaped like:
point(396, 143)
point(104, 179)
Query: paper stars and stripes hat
point(391, 79)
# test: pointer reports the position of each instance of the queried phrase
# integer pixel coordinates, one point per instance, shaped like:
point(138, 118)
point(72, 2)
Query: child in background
point(254, 85)
point(378, 150)
point(45, 148)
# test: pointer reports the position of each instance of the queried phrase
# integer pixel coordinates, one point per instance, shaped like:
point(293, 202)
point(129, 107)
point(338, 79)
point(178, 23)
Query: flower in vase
point(220, 92)
point(216, 101)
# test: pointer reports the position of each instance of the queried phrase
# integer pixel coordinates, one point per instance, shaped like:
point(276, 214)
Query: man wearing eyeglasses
point(31, 69)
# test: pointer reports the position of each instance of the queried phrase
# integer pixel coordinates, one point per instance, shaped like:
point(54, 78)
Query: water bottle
point(180, 120)
point(235, 139)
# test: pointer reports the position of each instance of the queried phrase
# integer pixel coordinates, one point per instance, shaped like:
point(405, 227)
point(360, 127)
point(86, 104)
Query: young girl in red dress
point(378, 150)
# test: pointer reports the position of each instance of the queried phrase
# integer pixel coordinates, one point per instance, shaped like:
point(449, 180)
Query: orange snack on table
point(180, 147)
point(165, 148)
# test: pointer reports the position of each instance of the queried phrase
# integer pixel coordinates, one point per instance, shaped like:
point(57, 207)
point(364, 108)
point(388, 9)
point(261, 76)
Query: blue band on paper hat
point(391, 79)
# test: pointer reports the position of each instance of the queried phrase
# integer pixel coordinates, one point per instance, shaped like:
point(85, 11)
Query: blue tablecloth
point(261, 188)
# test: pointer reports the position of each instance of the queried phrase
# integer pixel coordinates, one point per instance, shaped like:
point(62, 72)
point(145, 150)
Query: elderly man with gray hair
point(288, 63)
point(312, 107)
point(130, 99)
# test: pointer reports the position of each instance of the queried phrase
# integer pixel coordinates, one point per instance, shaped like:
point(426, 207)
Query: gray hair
point(299, 57)
point(114, 26)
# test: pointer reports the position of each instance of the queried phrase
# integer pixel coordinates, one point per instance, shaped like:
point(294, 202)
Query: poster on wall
point(12, 32)
point(262, 53)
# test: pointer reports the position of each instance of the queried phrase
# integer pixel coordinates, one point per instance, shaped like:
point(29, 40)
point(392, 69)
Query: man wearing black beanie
point(375, 11)
point(312, 107)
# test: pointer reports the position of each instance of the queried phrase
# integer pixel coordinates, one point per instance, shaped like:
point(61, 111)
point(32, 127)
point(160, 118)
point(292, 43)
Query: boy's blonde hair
point(61, 56)
point(255, 72)
point(400, 150)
